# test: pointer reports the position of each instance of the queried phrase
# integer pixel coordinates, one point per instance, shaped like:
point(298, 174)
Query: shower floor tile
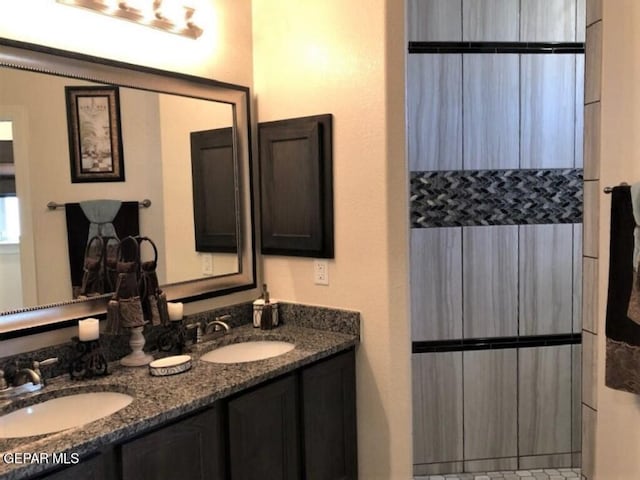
point(539, 474)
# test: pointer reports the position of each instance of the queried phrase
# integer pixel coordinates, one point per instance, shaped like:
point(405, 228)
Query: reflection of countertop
point(160, 399)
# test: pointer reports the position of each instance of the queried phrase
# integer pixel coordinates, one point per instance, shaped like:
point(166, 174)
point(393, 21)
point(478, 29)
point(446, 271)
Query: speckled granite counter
point(160, 399)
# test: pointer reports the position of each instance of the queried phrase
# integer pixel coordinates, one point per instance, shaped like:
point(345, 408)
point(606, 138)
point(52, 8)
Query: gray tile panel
point(547, 102)
point(550, 20)
point(434, 111)
point(491, 92)
point(592, 114)
point(490, 20)
point(490, 282)
point(578, 260)
point(490, 407)
point(544, 426)
point(545, 279)
point(579, 116)
point(590, 294)
point(593, 63)
point(437, 407)
point(436, 284)
point(434, 20)
point(576, 398)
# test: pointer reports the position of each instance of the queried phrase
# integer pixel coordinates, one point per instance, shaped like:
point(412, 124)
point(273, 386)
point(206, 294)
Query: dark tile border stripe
point(495, 343)
point(497, 47)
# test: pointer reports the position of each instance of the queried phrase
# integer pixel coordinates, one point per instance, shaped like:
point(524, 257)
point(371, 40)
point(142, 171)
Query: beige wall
point(347, 58)
point(618, 413)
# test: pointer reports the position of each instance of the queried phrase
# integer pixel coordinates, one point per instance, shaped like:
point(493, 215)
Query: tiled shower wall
point(590, 265)
point(495, 148)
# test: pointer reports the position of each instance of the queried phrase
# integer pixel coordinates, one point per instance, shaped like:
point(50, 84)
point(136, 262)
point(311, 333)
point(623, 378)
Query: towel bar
point(146, 203)
point(610, 189)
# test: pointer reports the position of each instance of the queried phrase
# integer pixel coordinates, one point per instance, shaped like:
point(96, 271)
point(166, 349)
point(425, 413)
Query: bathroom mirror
point(159, 111)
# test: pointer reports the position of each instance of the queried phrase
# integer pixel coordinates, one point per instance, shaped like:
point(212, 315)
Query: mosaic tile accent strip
point(540, 474)
point(495, 197)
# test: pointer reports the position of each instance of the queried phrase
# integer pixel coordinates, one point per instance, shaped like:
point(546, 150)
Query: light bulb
point(144, 8)
point(171, 11)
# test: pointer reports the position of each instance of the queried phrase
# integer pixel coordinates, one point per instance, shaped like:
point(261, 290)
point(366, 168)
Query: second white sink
point(61, 413)
point(248, 351)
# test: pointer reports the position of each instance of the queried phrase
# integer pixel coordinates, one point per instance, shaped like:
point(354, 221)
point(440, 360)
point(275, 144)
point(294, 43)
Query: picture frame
point(95, 134)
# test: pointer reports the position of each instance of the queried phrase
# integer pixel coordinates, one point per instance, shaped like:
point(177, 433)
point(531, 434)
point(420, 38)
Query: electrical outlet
point(321, 272)
point(207, 264)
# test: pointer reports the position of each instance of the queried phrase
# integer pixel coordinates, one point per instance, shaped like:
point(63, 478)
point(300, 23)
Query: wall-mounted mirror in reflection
point(160, 114)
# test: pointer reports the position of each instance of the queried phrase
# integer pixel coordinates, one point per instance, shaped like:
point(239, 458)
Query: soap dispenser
point(266, 320)
point(265, 311)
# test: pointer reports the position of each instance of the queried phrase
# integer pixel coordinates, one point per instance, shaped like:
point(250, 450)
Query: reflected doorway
point(11, 296)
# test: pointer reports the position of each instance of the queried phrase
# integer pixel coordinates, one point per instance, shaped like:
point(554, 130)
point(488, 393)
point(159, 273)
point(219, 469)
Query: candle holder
point(173, 339)
point(137, 357)
point(89, 361)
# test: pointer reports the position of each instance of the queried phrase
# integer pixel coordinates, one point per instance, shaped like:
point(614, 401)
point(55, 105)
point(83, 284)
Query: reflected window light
point(9, 220)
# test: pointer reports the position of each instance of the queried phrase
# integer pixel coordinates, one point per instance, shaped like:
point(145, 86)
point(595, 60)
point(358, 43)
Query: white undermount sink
point(61, 413)
point(248, 351)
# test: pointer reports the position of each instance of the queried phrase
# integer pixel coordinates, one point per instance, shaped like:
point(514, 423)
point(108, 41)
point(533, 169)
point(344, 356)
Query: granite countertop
point(160, 399)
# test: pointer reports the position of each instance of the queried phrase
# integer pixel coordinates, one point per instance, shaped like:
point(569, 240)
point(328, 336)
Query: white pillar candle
point(175, 311)
point(89, 329)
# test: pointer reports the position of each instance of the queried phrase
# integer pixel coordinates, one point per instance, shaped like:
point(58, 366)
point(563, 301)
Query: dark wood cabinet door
point(189, 449)
point(329, 418)
point(215, 192)
point(296, 186)
point(103, 466)
point(264, 434)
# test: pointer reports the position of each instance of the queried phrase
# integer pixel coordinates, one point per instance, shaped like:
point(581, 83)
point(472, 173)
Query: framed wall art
point(95, 136)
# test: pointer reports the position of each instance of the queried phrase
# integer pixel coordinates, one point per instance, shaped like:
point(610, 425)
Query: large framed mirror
point(159, 114)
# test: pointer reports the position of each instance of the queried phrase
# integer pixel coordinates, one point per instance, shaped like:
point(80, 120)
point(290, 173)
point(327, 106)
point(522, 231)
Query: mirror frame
point(41, 59)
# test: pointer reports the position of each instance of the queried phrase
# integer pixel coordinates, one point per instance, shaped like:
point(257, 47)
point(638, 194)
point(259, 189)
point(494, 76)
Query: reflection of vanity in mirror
point(159, 112)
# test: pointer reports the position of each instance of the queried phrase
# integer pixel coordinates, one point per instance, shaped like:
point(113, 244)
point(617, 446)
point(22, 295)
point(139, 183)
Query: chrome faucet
point(216, 328)
point(213, 329)
point(220, 323)
point(25, 380)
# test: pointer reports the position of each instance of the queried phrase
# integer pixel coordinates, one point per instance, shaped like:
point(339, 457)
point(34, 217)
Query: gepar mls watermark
point(23, 458)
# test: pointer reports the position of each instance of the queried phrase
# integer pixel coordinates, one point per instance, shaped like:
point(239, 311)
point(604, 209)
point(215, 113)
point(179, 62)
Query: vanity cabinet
point(299, 426)
point(329, 418)
point(264, 432)
point(190, 449)
point(102, 466)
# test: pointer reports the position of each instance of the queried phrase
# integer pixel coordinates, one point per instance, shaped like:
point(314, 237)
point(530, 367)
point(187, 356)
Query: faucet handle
point(44, 363)
point(197, 338)
point(37, 364)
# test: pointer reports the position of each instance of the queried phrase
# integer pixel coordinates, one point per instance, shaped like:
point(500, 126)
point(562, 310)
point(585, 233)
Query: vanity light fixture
point(169, 15)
